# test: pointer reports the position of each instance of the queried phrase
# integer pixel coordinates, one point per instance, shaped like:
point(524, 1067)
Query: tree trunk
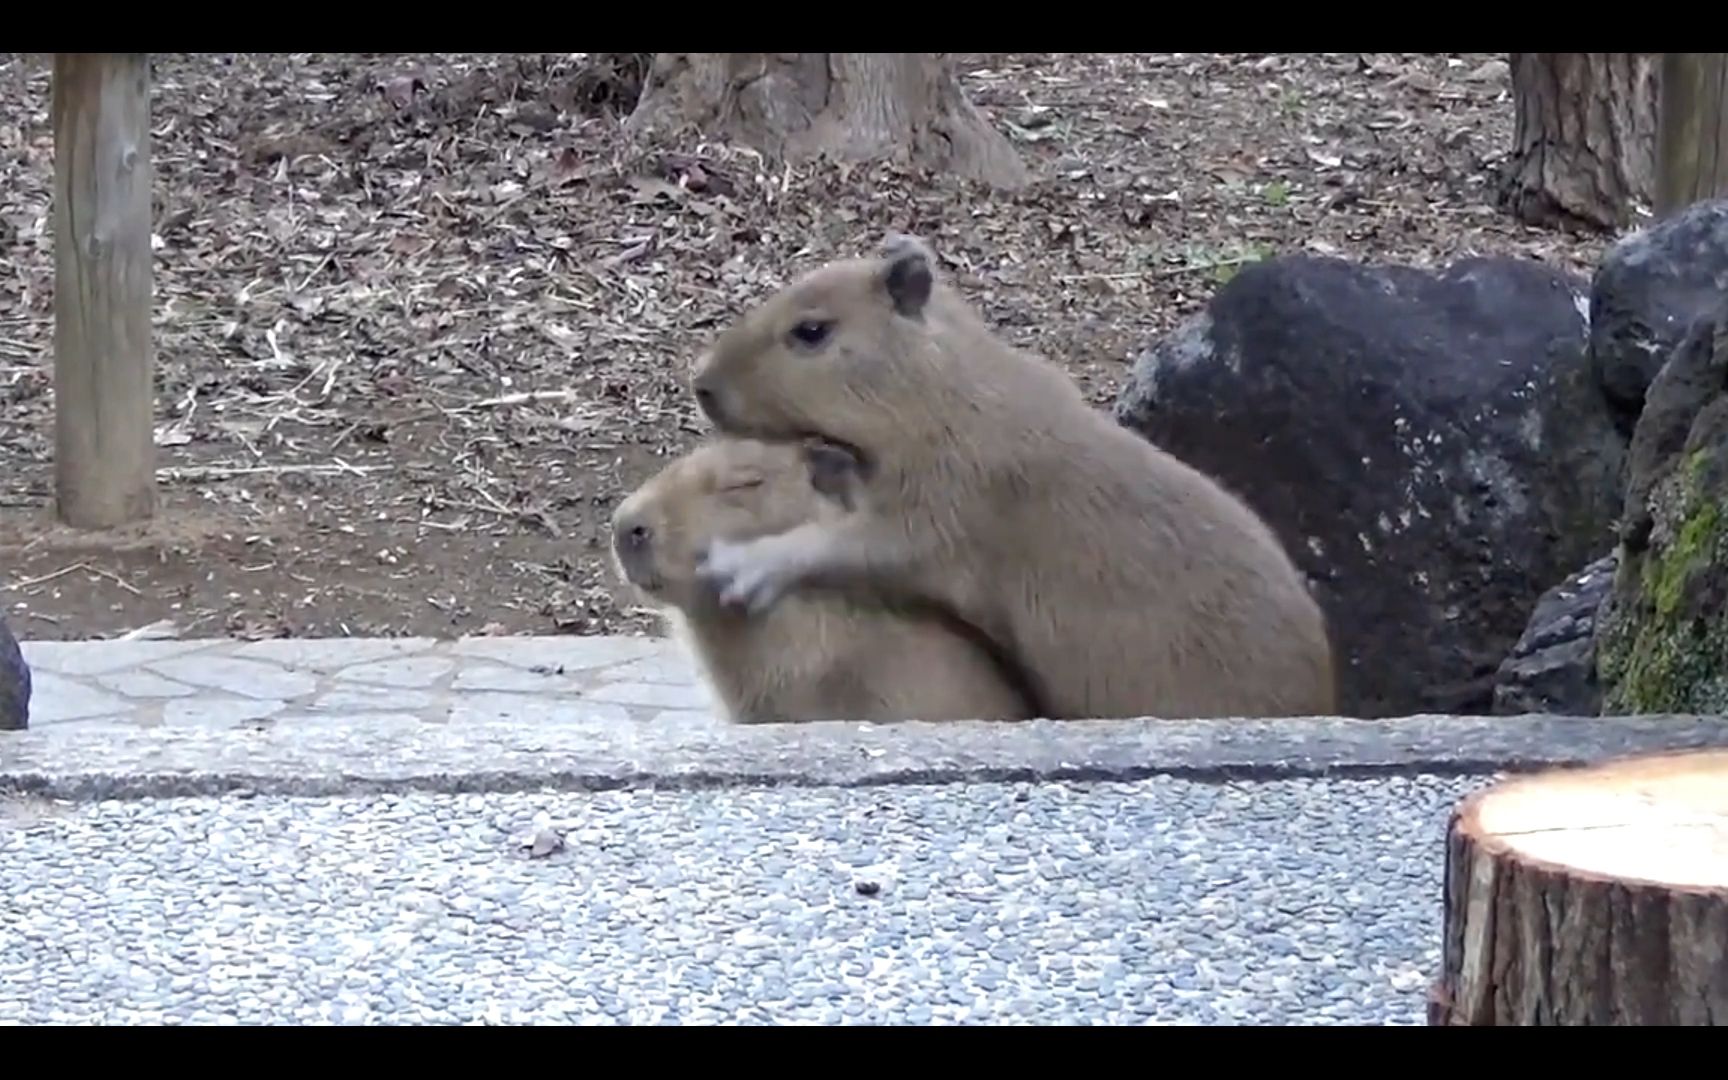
point(1590, 897)
point(105, 468)
point(1584, 135)
point(852, 106)
point(1693, 147)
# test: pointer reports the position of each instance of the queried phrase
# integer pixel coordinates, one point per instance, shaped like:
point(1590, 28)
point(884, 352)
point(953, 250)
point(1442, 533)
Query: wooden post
point(1590, 897)
point(1692, 140)
point(105, 455)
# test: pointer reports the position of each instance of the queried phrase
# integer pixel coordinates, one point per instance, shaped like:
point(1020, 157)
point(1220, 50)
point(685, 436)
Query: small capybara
point(819, 654)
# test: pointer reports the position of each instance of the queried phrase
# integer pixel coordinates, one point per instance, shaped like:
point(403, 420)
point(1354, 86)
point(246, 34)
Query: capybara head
point(826, 356)
point(731, 489)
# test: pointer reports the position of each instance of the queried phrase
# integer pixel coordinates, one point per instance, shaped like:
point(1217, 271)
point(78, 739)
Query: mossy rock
point(14, 682)
point(1662, 640)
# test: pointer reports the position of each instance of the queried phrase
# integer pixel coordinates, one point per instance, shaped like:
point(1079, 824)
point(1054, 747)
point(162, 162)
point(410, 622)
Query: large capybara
point(1123, 581)
point(818, 654)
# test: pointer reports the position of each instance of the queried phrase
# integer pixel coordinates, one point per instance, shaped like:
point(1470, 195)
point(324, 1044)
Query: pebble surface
point(1306, 901)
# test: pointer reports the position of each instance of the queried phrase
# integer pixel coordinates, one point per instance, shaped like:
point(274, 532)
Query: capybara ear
point(909, 275)
point(832, 470)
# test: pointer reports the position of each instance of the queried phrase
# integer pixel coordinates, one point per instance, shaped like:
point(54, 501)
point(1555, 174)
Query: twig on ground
point(84, 566)
point(194, 473)
point(1162, 271)
point(526, 397)
point(44, 578)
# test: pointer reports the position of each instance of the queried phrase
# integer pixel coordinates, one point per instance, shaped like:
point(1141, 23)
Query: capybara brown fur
point(1123, 581)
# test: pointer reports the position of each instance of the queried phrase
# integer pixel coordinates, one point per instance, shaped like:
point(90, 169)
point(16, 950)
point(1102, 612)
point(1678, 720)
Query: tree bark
point(1584, 135)
point(851, 106)
point(1590, 897)
point(1692, 148)
point(105, 469)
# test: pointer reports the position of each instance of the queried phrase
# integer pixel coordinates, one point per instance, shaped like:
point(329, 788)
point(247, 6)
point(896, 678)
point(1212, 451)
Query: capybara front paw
point(745, 575)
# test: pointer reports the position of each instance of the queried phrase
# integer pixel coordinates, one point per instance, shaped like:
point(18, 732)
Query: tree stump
point(1584, 137)
point(1590, 897)
point(850, 106)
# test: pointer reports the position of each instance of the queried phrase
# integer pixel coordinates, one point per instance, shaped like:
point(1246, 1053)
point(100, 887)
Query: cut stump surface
point(1594, 896)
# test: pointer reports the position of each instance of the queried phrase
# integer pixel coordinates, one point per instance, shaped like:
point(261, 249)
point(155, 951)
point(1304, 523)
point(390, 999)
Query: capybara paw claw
point(741, 580)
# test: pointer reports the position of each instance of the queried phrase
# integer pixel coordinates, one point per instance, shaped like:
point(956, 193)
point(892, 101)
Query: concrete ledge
point(378, 754)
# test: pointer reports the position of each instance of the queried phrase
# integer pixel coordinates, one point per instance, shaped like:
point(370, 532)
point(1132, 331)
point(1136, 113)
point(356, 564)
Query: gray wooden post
point(105, 456)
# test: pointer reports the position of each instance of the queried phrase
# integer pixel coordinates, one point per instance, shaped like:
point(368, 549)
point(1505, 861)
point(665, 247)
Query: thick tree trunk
point(105, 453)
point(852, 106)
point(1584, 137)
point(1693, 144)
point(1590, 897)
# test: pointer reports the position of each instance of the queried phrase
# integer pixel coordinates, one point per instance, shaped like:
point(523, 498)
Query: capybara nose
point(706, 402)
point(702, 385)
point(631, 538)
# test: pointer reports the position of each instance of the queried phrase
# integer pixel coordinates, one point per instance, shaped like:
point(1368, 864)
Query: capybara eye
point(811, 332)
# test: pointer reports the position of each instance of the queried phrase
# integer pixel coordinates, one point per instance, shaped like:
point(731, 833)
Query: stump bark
point(1590, 897)
point(1584, 137)
point(851, 106)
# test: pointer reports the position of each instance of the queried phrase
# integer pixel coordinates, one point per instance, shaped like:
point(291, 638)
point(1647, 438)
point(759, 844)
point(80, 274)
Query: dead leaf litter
point(422, 319)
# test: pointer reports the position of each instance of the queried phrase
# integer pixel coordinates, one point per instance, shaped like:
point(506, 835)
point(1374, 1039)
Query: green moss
point(1673, 668)
point(1696, 463)
point(1662, 650)
point(1666, 577)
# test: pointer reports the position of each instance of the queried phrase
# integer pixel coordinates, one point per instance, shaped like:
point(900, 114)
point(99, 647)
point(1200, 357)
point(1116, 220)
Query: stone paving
point(297, 716)
point(233, 684)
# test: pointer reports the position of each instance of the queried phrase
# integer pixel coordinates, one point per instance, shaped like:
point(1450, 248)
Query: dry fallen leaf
point(424, 232)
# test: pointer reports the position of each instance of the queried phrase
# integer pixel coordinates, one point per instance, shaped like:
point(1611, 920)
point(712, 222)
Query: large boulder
point(1552, 668)
point(1430, 446)
point(14, 682)
point(1650, 288)
point(1662, 638)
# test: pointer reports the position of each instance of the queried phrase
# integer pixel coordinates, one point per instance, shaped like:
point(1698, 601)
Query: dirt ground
point(422, 319)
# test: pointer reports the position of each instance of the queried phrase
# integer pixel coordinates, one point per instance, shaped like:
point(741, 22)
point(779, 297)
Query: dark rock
point(14, 682)
point(1430, 446)
point(1651, 287)
point(1662, 637)
point(1552, 668)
